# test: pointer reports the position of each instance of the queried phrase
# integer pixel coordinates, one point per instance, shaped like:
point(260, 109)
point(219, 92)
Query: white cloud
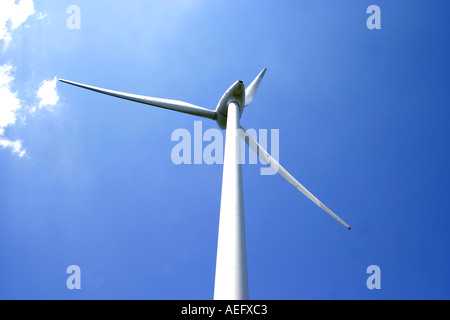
point(16, 146)
point(12, 15)
point(41, 16)
point(47, 94)
point(9, 106)
point(9, 102)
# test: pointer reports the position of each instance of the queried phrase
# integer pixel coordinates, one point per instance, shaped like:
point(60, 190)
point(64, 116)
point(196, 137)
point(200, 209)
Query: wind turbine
point(231, 262)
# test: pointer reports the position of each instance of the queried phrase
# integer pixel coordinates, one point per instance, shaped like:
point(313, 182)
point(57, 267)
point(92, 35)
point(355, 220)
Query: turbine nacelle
point(235, 93)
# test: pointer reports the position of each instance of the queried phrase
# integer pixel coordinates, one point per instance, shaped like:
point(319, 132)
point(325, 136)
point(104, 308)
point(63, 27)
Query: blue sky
point(88, 180)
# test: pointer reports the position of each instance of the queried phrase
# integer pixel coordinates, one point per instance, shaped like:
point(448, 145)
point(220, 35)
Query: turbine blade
point(253, 87)
point(175, 105)
point(264, 155)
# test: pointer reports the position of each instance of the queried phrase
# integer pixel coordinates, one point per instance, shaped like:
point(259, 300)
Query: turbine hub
point(235, 93)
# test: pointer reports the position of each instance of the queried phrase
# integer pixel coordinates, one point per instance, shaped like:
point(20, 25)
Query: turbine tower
point(231, 262)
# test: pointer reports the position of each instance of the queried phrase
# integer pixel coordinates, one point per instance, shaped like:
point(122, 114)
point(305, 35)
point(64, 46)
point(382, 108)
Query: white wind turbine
point(231, 262)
